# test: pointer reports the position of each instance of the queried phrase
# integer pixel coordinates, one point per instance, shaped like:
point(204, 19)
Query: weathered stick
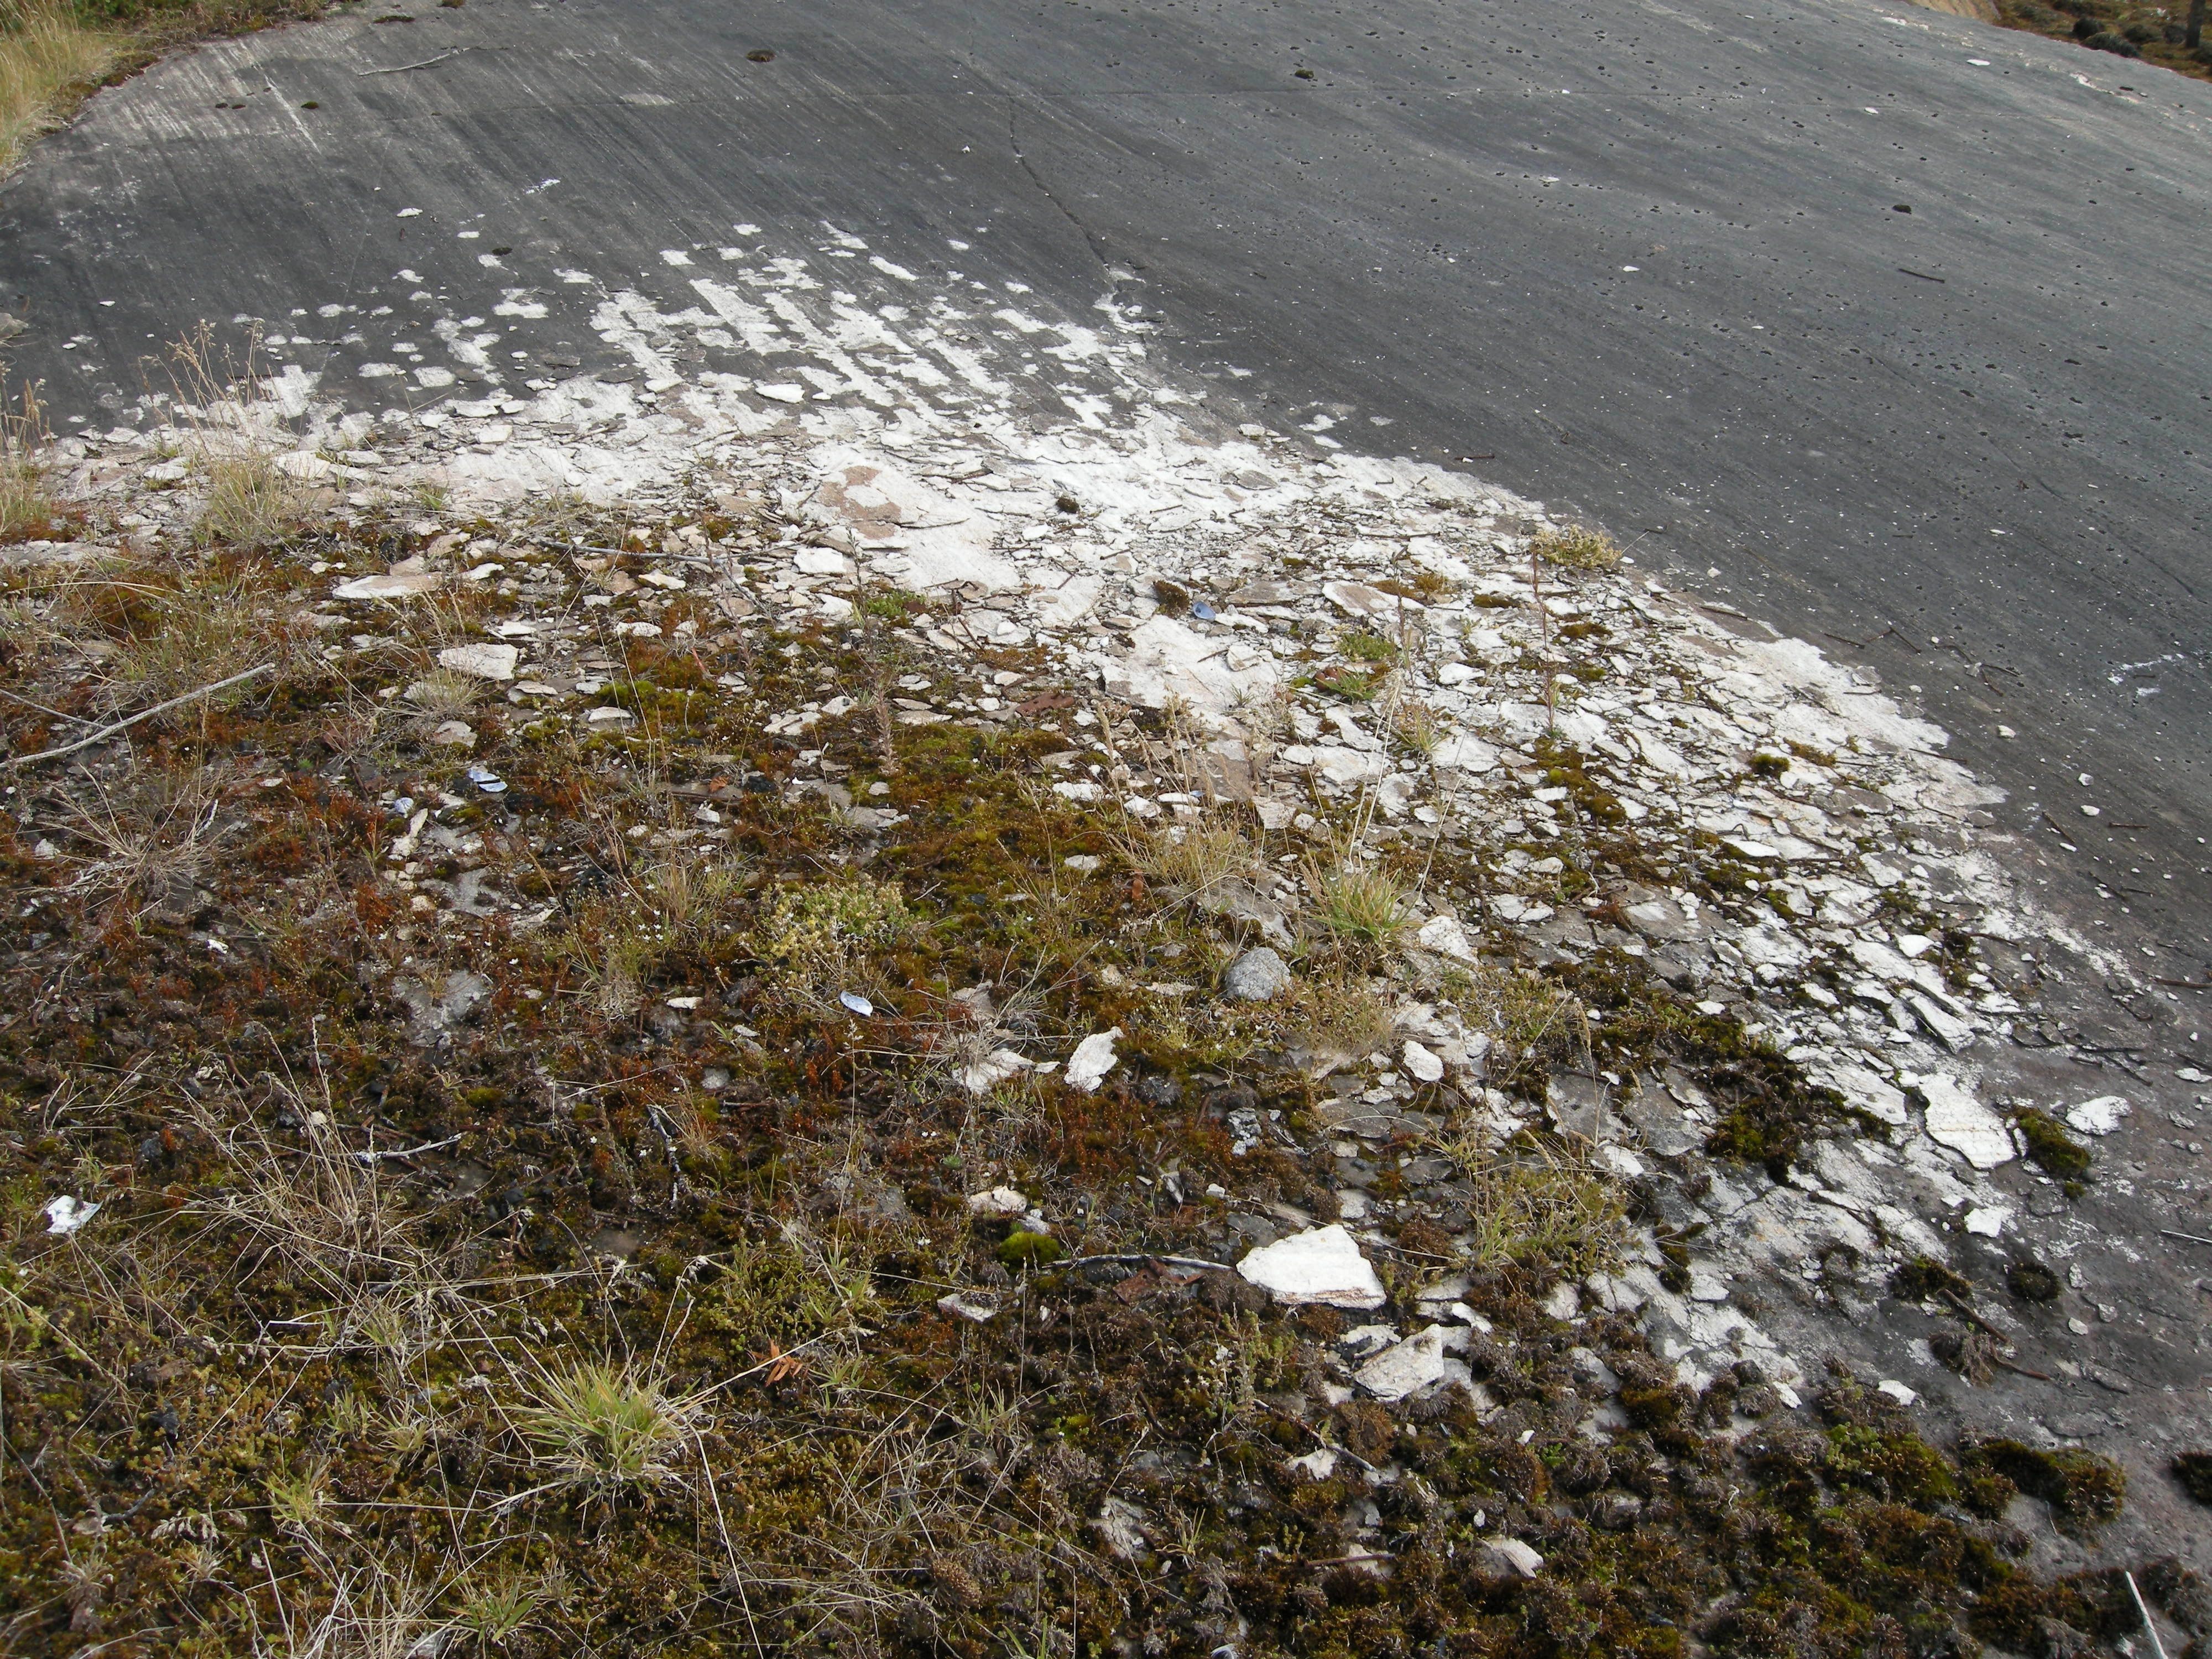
point(106, 731)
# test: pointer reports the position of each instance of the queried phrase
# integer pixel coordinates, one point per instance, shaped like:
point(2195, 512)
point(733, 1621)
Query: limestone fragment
point(1955, 1119)
point(1409, 1366)
point(1093, 1058)
point(1321, 1265)
point(2100, 1116)
point(484, 662)
point(998, 1204)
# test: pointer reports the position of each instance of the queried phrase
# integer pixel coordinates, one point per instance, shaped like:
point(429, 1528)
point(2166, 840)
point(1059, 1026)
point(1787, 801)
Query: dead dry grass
point(50, 59)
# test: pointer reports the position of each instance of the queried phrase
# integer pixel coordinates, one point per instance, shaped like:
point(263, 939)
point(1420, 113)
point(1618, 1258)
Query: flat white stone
point(1897, 1391)
point(1410, 1366)
point(1093, 1058)
point(2100, 1116)
point(1955, 1119)
point(1422, 1064)
point(989, 1073)
point(1987, 1221)
point(998, 1204)
point(1447, 938)
point(1465, 754)
point(390, 585)
point(1321, 1265)
point(1513, 1553)
point(1865, 1089)
point(486, 662)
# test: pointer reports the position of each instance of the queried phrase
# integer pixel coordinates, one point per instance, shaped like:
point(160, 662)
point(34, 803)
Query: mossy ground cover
point(533, 1219)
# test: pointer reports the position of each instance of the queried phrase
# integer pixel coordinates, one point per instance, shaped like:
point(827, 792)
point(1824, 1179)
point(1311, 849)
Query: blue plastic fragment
point(859, 1003)
point(487, 779)
point(1202, 611)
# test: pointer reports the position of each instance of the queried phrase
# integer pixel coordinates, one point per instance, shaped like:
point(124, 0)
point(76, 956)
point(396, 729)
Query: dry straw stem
point(50, 60)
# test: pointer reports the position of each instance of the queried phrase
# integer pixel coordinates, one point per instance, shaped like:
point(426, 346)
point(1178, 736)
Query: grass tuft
point(1577, 547)
point(605, 1428)
point(1358, 907)
point(50, 58)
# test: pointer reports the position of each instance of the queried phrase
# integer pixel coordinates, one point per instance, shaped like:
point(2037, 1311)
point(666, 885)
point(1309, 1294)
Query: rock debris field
point(1035, 867)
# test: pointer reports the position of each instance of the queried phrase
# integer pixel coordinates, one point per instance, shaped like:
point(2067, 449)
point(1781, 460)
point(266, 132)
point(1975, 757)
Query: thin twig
point(399, 68)
point(2149, 1629)
point(1195, 1263)
point(1972, 1318)
point(2168, 1232)
point(410, 1151)
point(106, 731)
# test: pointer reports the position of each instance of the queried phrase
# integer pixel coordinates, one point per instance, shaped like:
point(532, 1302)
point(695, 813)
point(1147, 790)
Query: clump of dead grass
point(666, 910)
point(50, 58)
point(1577, 547)
point(251, 502)
point(29, 506)
point(1539, 1200)
point(1195, 860)
point(193, 627)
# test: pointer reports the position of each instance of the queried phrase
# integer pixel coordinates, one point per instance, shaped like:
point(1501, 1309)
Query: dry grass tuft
point(603, 1428)
point(210, 624)
point(49, 60)
point(28, 507)
point(1358, 906)
point(251, 502)
point(1194, 859)
point(1539, 1200)
point(1577, 547)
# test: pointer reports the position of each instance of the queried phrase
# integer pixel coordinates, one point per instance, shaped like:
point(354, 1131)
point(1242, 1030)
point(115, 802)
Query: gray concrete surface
point(1645, 258)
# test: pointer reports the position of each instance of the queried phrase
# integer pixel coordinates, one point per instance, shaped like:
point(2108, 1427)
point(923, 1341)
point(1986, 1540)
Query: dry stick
point(398, 69)
point(2149, 1629)
point(106, 731)
point(2168, 1232)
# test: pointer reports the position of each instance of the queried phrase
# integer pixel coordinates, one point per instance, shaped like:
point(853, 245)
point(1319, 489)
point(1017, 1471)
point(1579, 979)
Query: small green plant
point(499, 1607)
point(814, 933)
point(603, 1428)
point(1358, 907)
point(893, 605)
point(296, 1502)
point(1367, 647)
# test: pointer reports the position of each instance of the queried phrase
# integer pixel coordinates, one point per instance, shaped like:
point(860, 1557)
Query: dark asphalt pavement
point(1652, 260)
